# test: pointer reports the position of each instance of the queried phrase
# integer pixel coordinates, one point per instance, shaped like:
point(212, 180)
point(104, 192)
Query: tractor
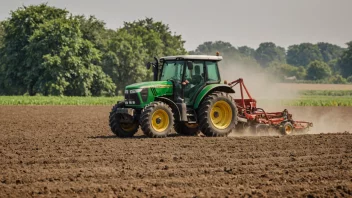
point(186, 95)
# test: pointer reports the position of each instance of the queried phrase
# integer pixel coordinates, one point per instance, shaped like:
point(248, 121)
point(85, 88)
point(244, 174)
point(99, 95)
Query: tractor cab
point(189, 74)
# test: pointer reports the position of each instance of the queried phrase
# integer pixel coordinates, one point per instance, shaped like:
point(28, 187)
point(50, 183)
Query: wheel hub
point(221, 115)
point(160, 120)
point(216, 114)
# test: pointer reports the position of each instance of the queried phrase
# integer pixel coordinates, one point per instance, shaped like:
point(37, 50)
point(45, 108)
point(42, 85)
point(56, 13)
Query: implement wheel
point(217, 115)
point(157, 120)
point(287, 129)
point(122, 130)
point(187, 129)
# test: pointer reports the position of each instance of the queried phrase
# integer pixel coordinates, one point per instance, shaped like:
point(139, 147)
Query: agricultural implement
point(258, 121)
point(187, 95)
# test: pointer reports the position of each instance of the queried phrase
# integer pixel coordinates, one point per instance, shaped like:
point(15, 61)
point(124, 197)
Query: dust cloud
point(262, 86)
point(268, 93)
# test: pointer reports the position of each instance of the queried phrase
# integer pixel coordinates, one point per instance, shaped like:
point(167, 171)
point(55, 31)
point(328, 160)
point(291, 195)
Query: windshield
point(172, 70)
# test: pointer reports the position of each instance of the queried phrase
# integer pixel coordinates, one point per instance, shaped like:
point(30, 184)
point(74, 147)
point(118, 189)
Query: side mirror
point(190, 65)
point(149, 65)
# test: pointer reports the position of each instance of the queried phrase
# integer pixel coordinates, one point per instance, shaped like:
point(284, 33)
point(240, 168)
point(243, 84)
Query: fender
point(208, 89)
point(173, 106)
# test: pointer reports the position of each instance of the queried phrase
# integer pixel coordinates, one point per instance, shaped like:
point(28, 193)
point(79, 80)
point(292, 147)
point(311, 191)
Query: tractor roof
point(193, 57)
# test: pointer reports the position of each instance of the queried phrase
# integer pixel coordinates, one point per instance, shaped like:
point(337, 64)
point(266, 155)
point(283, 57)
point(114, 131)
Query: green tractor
point(186, 95)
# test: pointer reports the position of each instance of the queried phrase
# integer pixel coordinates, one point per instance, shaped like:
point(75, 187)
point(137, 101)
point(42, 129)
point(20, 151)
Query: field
point(69, 151)
point(294, 86)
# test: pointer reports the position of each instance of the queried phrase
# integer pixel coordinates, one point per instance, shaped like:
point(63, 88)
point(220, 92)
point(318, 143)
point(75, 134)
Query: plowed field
point(67, 151)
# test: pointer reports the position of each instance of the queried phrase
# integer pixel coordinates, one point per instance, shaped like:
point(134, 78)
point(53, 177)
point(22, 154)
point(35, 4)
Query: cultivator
point(258, 121)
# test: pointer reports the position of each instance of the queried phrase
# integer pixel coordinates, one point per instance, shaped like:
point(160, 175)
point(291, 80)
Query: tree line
point(49, 51)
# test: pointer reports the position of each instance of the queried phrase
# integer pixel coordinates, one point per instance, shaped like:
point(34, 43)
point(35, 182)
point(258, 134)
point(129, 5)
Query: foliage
point(337, 79)
point(281, 70)
point(345, 62)
point(157, 38)
point(333, 64)
point(2, 34)
point(18, 29)
point(268, 52)
point(349, 79)
point(94, 30)
point(232, 56)
point(247, 51)
point(45, 53)
point(318, 70)
point(303, 54)
point(329, 51)
point(124, 60)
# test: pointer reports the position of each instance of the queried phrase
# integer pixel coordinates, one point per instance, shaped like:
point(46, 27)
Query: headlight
point(135, 91)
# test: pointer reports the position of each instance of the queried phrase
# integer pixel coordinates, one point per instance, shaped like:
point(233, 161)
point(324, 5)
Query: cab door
point(195, 80)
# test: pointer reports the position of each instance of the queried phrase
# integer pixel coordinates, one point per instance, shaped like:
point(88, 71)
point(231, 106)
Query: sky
point(240, 22)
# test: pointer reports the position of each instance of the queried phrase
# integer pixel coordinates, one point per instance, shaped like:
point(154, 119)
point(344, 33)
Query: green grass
point(308, 98)
point(55, 100)
point(319, 100)
point(314, 93)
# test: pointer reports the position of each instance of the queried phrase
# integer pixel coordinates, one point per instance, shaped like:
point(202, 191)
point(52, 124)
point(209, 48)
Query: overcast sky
point(240, 22)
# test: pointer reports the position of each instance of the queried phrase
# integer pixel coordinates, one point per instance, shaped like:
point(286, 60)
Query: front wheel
point(217, 115)
point(122, 130)
point(157, 120)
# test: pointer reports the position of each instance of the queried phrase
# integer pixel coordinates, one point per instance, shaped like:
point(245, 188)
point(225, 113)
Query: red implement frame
point(247, 109)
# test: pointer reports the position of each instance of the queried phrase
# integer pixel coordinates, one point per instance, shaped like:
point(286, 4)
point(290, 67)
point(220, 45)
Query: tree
point(281, 70)
point(210, 48)
point(349, 79)
point(2, 69)
point(94, 31)
point(345, 62)
point(55, 59)
point(303, 54)
point(268, 52)
point(232, 56)
point(329, 51)
point(64, 61)
point(157, 38)
point(318, 70)
point(19, 28)
point(124, 61)
point(333, 64)
point(247, 51)
point(2, 34)
point(337, 79)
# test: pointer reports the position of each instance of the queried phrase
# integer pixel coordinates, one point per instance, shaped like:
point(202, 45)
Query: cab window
point(212, 71)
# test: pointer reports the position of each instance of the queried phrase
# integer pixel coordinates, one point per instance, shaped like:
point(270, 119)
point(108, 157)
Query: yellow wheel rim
point(221, 115)
point(288, 129)
point(160, 120)
point(128, 127)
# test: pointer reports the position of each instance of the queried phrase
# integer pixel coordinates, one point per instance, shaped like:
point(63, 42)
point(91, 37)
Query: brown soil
point(66, 151)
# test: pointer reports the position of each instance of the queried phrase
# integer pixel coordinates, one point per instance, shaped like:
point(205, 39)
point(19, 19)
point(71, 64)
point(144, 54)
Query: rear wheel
point(287, 129)
point(187, 129)
point(157, 120)
point(217, 115)
point(122, 130)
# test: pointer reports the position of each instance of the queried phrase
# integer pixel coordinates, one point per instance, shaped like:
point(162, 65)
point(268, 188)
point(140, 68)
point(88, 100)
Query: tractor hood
point(151, 84)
